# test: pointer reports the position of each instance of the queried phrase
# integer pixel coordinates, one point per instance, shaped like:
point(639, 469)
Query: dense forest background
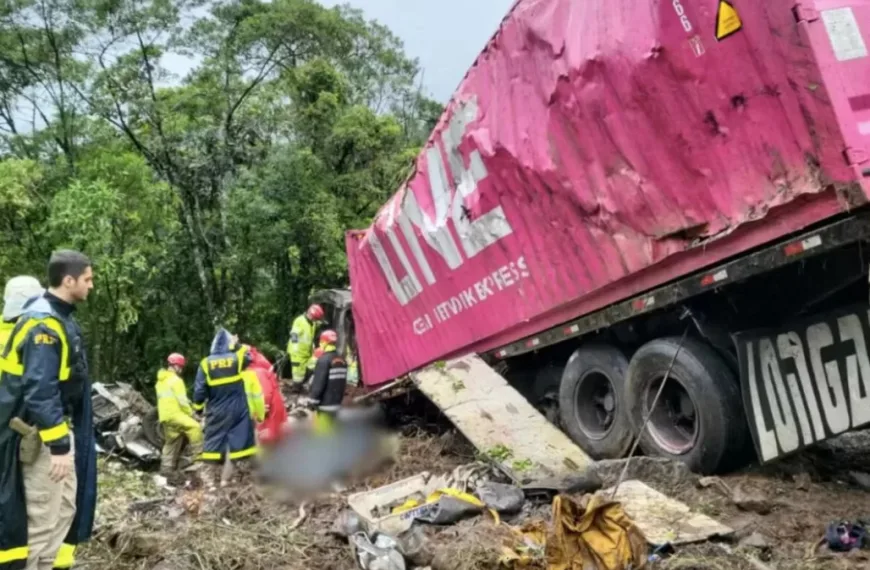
point(220, 197)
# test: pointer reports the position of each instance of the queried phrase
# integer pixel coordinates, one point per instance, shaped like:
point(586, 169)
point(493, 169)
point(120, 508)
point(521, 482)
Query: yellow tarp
point(591, 533)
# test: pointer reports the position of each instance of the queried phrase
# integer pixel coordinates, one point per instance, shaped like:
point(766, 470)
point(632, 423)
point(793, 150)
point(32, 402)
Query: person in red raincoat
point(276, 415)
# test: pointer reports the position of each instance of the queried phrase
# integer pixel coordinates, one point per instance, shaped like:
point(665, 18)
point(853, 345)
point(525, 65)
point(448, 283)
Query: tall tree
point(220, 197)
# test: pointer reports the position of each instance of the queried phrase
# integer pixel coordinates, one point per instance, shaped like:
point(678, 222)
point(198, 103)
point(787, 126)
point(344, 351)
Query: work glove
point(307, 402)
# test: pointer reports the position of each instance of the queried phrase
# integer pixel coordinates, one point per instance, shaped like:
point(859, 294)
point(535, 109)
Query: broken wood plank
point(499, 421)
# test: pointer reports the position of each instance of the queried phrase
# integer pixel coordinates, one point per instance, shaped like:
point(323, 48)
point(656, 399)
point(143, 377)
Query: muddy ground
point(786, 507)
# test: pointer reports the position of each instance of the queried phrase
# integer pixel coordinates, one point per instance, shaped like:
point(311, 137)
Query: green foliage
point(218, 198)
point(499, 452)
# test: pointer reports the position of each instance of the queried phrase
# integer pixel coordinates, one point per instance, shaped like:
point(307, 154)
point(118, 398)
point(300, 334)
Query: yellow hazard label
point(727, 20)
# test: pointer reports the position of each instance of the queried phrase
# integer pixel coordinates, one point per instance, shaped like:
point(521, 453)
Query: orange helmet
point(176, 359)
point(328, 337)
point(315, 312)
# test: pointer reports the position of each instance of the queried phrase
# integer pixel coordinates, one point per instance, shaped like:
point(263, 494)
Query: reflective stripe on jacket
point(329, 381)
point(254, 392)
point(44, 375)
point(300, 346)
point(5, 334)
point(65, 557)
point(221, 384)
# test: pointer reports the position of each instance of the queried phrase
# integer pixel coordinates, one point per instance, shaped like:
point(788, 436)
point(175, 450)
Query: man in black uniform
point(328, 382)
point(48, 464)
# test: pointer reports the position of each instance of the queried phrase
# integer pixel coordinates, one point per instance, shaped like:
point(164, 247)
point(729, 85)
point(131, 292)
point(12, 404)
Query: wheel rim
point(673, 424)
point(595, 404)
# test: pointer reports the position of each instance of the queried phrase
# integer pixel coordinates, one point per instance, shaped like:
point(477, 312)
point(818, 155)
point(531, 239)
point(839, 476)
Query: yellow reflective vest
point(6, 329)
point(254, 392)
point(172, 399)
point(300, 346)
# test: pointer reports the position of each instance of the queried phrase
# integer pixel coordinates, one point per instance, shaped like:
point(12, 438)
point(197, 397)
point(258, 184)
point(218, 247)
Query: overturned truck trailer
point(611, 173)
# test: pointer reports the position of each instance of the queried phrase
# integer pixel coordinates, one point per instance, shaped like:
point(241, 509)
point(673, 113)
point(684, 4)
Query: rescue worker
point(328, 383)
point(19, 290)
point(235, 403)
point(276, 414)
point(176, 415)
point(48, 473)
point(301, 343)
point(312, 362)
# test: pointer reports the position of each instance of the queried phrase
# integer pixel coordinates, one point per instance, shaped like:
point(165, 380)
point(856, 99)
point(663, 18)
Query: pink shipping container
point(600, 148)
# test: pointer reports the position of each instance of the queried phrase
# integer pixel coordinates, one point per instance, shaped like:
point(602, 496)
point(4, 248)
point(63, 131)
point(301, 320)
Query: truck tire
point(592, 405)
point(699, 417)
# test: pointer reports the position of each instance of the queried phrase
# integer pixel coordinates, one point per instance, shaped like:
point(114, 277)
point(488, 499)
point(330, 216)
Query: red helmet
point(328, 337)
point(176, 359)
point(315, 312)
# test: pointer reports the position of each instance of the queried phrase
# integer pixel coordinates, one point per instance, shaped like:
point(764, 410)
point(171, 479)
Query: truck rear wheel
point(699, 417)
point(591, 401)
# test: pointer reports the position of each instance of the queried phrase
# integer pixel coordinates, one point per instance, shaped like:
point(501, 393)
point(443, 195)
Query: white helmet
point(19, 290)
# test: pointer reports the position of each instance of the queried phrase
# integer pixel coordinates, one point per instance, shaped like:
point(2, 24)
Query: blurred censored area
point(313, 456)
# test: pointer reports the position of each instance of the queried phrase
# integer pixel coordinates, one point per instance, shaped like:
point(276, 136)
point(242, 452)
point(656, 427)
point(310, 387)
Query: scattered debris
point(594, 532)
point(860, 479)
point(381, 554)
point(662, 519)
point(756, 540)
point(145, 523)
point(716, 483)
point(845, 536)
point(504, 499)
point(126, 423)
point(751, 501)
point(803, 481)
point(300, 519)
point(645, 469)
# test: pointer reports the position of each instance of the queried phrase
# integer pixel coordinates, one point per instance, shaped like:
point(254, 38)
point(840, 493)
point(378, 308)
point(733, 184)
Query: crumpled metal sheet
point(597, 149)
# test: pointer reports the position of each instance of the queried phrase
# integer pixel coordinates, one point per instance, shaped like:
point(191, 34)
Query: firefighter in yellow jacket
point(176, 415)
point(301, 343)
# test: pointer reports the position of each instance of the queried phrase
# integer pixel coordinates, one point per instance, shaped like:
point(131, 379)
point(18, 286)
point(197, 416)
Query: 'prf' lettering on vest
point(453, 188)
point(220, 363)
point(43, 339)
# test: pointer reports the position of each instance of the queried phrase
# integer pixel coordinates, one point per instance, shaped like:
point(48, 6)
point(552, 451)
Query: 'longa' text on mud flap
point(806, 382)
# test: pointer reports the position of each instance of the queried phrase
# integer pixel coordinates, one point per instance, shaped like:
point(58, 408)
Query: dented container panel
point(597, 149)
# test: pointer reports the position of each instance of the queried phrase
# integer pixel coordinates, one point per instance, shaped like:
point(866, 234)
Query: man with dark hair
point(70, 264)
point(47, 497)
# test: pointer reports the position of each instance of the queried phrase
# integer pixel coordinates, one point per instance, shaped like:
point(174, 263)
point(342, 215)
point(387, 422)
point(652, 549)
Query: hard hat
point(328, 337)
point(176, 359)
point(18, 291)
point(315, 312)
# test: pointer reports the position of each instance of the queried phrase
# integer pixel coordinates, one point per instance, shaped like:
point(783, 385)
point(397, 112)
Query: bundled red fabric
point(270, 429)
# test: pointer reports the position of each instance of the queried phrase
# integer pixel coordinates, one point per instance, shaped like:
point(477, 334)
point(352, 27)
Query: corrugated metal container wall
point(599, 148)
